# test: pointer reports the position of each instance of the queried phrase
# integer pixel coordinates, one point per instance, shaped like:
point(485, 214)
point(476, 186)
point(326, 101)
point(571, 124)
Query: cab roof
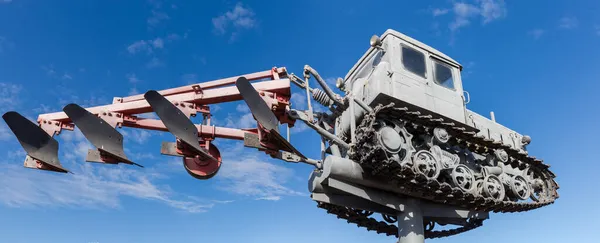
point(421, 45)
point(410, 40)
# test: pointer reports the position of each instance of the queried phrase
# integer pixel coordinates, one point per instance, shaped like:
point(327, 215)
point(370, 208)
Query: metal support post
point(410, 223)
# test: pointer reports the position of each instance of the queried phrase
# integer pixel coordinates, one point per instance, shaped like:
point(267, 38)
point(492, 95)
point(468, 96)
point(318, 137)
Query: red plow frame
point(202, 159)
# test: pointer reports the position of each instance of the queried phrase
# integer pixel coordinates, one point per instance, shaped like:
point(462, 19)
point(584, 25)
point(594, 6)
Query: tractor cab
point(410, 71)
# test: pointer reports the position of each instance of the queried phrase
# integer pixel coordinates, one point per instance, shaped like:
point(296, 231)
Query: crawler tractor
point(401, 153)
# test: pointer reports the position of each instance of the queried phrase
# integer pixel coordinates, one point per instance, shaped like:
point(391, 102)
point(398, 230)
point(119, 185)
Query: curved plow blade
point(102, 135)
point(263, 114)
point(257, 105)
point(177, 123)
point(38, 144)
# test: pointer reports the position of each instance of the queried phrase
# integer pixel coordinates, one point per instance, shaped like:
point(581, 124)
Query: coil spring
point(321, 97)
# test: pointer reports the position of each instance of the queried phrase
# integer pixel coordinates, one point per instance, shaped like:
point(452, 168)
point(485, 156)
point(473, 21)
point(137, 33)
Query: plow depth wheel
point(203, 169)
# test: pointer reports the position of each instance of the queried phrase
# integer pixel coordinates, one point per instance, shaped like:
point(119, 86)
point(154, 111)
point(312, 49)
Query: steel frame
point(191, 99)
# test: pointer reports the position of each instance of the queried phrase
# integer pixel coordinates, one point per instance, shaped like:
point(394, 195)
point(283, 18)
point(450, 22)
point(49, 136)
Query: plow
point(401, 155)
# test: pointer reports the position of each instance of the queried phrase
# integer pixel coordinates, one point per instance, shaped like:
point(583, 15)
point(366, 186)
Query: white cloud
point(133, 91)
point(147, 46)
point(158, 43)
point(242, 108)
point(239, 18)
point(240, 121)
point(248, 173)
point(154, 62)
point(299, 127)
point(53, 73)
point(132, 78)
point(156, 17)
point(270, 198)
point(5, 44)
point(67, 76)
point(173, 37)
point(464, 13)
point(536, 33)
point(136, 135)
point(139, 46)
point(568, 23)
point(91, 185)
point(9, 96)
point(44, 109)
point(492, 10)
point(5, 133)
point(439, 11)
point(190, 78)
point(298, 101)
point(215, 108)
point(49, 70)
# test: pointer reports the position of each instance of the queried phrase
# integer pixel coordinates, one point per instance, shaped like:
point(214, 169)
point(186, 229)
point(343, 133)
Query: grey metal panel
point(352, 201)
point(494, 130)
point(398, 203)
point(385, 99)
point(380, 197)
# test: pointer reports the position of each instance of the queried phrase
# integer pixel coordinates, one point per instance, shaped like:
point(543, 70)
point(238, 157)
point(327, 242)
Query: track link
point(372, 158)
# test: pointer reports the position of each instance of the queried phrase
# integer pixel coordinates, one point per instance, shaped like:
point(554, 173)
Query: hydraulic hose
point(328, 91)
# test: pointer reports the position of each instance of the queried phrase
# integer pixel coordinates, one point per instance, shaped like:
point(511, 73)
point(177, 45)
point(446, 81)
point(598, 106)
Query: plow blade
point(41, 148)
point(102, 135)
point(263, 114)
point(177, 123)
point(257, 105)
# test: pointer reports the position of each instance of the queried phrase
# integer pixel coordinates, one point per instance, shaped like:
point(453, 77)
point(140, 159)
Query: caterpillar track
point(362, 219)
point(444, 163)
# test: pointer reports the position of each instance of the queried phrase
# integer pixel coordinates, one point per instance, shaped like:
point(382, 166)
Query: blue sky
point(534, 64)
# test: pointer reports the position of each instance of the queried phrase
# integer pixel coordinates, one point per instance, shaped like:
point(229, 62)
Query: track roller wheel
point(203, 169)
point(463, 178)
point(426, 164)
point(520, 188)
point(493, 188)
point(539, 189)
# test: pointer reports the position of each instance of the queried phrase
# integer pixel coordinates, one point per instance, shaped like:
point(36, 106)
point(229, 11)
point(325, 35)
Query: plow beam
point(211, 96)
point(41, 148)
point(274, 73)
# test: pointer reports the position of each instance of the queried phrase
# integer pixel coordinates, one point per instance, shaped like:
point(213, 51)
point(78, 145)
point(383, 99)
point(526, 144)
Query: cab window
point(413, 61)
point(442, 74)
